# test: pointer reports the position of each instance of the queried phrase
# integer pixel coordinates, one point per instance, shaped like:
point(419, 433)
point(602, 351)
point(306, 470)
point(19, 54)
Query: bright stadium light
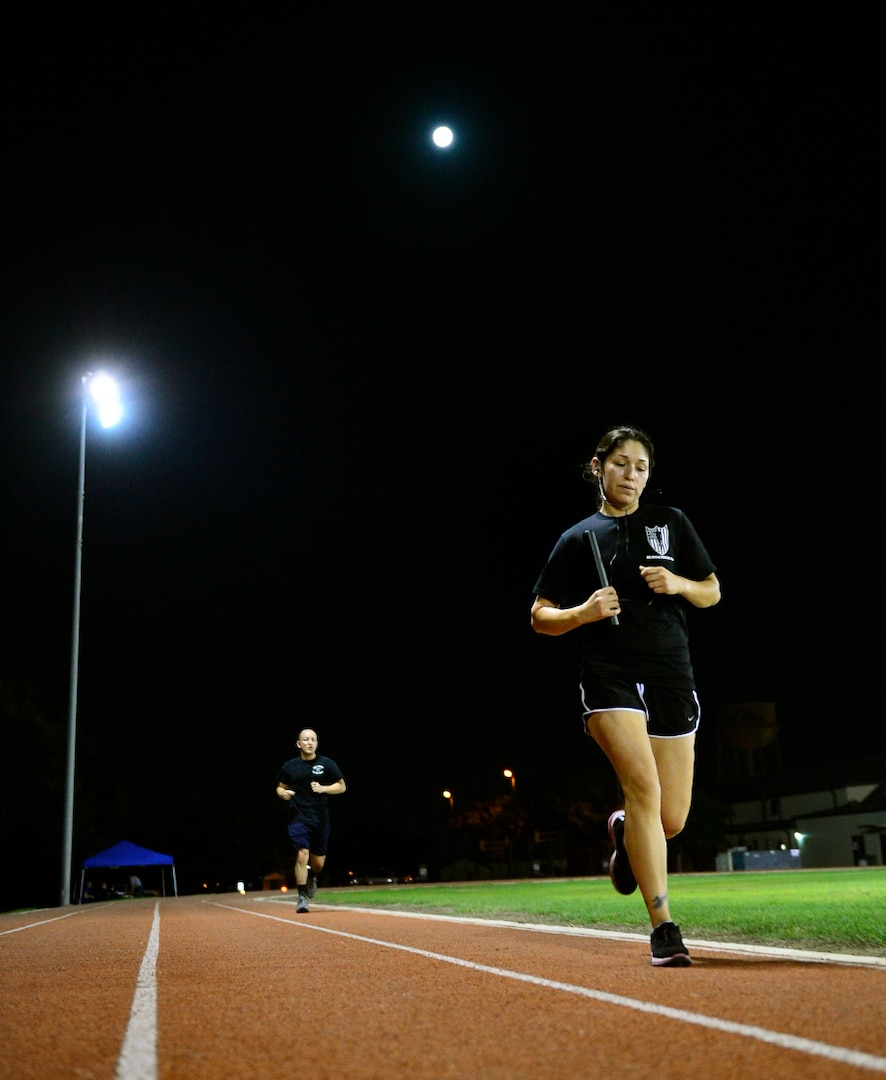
point(443, 137)
point(100, 390)
point(106, 395)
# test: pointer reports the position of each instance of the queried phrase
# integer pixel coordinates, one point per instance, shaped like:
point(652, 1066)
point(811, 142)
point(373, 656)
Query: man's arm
point(338, 788)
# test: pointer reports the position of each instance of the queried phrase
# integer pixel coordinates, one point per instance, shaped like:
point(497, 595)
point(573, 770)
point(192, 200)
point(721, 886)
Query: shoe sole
point(615, 885)
point(678, 960)
point(617, 815)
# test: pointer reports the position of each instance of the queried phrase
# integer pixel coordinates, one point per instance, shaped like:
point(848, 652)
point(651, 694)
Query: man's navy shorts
point(313, 837)
point(670, 711)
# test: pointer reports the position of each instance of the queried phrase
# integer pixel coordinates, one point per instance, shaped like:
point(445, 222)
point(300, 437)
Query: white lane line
point(800, 955)
point(138, 1056)
point(43, 922)
point(840, 1054)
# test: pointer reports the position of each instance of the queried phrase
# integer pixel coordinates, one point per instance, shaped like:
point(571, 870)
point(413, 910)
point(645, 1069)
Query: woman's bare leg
point(623, 738)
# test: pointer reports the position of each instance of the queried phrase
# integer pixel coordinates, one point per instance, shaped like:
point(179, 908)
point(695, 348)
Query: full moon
point(442, 136)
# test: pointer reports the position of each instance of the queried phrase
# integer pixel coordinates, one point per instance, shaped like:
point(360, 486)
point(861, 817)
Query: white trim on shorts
point(641, 688)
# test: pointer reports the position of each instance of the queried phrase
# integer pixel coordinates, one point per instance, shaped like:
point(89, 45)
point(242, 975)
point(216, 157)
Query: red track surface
point(240, 987)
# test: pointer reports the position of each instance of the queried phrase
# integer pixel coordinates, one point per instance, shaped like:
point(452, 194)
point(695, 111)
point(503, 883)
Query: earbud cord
point(622, 527)
point(603, 496)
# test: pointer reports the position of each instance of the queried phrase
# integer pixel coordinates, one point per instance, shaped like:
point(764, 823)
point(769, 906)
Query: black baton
point(601, 569)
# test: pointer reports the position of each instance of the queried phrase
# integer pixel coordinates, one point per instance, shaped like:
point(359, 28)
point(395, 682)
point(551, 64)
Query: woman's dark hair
point(614, 439)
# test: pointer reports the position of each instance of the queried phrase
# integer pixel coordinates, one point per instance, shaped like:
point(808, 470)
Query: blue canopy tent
point(129, 856)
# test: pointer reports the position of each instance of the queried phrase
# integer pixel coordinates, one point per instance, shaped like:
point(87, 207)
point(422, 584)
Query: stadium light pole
point(102, 391)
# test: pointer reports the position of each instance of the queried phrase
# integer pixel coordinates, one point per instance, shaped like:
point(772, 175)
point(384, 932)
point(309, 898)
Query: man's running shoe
point(667, 946)
point(620, 872)
point(302, 906)
point(311, 887)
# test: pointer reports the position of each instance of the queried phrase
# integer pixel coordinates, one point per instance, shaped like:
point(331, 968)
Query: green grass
point(821, 910)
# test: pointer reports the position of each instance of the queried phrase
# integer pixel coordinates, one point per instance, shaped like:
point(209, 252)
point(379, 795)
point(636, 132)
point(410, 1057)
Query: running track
point(240, 986)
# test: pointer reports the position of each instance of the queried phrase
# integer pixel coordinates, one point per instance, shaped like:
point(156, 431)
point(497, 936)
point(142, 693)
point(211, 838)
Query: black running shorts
point(670, 711)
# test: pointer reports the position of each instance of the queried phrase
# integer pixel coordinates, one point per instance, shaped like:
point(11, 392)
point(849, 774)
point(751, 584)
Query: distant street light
point(449, 796)
point(511, 777)
point(102, 391)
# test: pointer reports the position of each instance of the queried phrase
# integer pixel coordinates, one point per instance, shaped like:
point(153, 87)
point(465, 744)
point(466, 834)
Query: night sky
point(361, 375)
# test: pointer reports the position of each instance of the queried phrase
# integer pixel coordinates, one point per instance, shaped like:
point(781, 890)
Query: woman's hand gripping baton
point(601, 569)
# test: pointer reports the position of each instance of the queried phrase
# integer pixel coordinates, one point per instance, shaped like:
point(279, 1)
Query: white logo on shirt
point(658, 539)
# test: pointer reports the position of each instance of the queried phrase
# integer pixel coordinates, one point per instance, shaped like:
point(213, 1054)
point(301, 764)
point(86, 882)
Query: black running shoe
point(302, 906)
point(311, 887)
point(667, 946)
point(620, 872)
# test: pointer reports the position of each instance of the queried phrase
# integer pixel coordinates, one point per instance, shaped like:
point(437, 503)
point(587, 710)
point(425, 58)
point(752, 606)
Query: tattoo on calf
point(660, 901)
